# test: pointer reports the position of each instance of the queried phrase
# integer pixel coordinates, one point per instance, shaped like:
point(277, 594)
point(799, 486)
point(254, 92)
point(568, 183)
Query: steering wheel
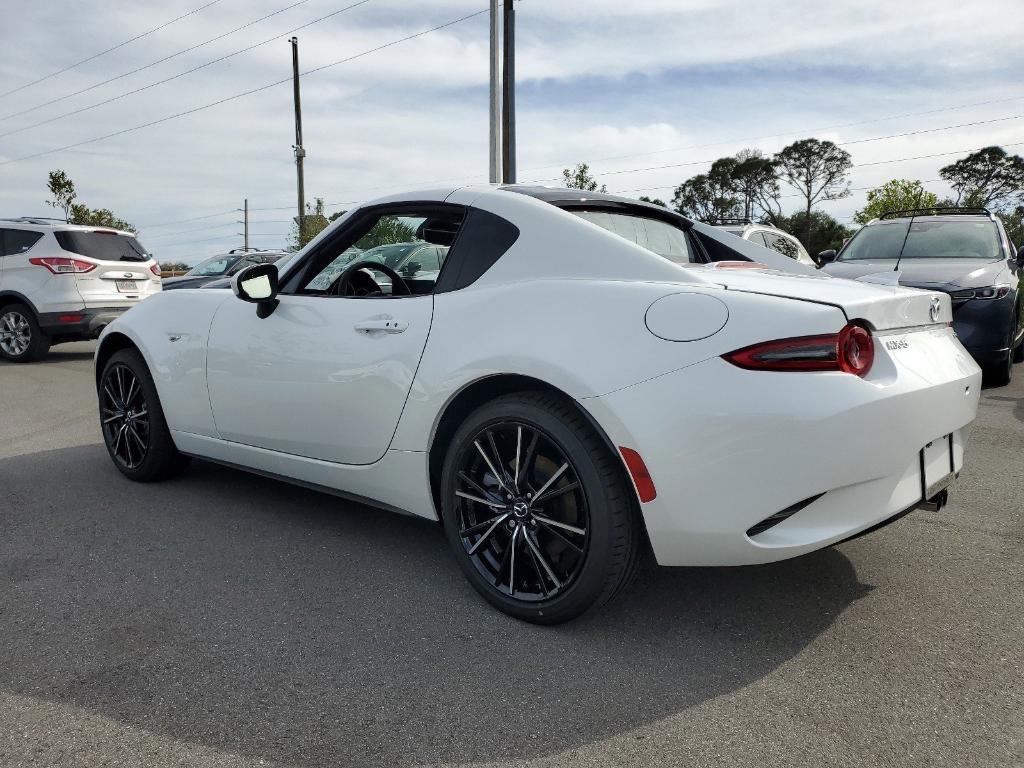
point(354, 282)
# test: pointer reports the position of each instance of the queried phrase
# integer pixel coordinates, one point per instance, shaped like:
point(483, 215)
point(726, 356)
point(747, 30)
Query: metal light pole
point(495, 121)
point(246, 230)
point(508, 128)
point(300, 153)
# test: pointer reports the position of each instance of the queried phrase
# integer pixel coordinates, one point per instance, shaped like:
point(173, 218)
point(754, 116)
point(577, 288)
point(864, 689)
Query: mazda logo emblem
point(936, 309)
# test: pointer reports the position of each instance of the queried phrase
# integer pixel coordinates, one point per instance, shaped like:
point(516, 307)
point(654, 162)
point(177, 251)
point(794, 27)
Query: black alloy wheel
point(124, 416)
point(522, 514)
point(537, 508)
point(132, 420)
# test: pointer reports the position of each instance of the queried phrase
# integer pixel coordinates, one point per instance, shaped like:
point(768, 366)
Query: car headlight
point(992, 292)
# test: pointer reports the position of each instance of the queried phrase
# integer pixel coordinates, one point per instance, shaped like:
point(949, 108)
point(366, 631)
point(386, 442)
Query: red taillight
point(852, 350)
point(638, 471)
point(856, 350)
point(155, 269)
point(60, 265)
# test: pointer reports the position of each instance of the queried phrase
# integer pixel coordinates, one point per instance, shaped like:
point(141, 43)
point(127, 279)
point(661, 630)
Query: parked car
point(579, 379)
point(963, 252)
point(769, 237)
point(221, 265)
point(62, 282)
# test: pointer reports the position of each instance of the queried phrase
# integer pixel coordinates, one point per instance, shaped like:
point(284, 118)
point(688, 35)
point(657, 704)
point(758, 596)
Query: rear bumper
point(79, 323)
point(728, 448)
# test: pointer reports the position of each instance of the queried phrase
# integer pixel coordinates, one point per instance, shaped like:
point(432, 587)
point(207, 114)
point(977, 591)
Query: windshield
point(102, 246)
point(213, 266)
point(653, 234)
point(924, 239)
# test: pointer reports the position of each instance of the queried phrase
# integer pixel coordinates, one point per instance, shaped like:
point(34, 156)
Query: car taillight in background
point(60, 265)
point(155, 269)
point(852, 350)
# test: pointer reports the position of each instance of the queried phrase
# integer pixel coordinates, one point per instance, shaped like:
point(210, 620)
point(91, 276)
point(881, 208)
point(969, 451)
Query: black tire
point(18, 325)
point(1001, 374)
point(132, 421)
point(584, 570)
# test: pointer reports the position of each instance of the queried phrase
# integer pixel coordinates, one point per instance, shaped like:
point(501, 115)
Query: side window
point(408, 241)
point(783, 245)
point(757, 238)
point(15, 241)
point(241, 264)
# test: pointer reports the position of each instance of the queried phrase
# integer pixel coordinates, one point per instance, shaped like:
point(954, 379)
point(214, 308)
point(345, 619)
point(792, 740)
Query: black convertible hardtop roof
point(578, 198)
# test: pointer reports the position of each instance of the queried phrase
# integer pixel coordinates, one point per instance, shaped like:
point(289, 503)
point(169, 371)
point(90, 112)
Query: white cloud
point(660, 82)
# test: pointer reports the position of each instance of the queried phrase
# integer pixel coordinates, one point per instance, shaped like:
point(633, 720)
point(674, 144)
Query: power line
point(219, 59)
point(244, 93)
point(108, 50)
point(223, 237)
point(186, 221)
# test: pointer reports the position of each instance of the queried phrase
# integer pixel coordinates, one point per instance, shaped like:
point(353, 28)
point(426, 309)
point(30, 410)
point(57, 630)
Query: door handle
point(382, 324)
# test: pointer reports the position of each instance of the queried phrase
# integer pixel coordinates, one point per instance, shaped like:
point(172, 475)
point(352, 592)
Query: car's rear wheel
point(538, 511)
point(132, 421)
point(21, 339)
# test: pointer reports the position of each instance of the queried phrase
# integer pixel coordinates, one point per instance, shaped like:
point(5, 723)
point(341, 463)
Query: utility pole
point(246, 220)
point(495, 121)
point(300, 153)
point(508, 93)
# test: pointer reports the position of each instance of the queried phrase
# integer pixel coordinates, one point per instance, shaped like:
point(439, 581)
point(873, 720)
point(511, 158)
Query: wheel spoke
point(467, 532)
point(558, 492)
point(558, 524)
point(131, 391)
point(536, 566)
point(111, 395)
point(554, 532)
point(490, 465)
point(472, 483)
point(540, 492)
point(487, 534)
point(512, 562)
point(519, 446)
point(535, 550)
point(138, 439)
point(478, 500)
point(524, 468)
point(109, 419)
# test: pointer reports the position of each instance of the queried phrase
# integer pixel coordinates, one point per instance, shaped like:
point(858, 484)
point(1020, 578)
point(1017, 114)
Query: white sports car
point(586, 376)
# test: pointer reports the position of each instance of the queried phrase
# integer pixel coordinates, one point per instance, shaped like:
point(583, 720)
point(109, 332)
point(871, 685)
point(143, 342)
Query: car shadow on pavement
point(271, 621)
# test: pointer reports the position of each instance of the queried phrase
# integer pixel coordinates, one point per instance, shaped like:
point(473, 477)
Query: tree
point(818, 170)
point(1013, 221)
point(757, 181)
point(710, 196)
point(819, 233)
point(97, 217)
point(313, 223)
point(988, 177)
point(895, 195)
point(580, 178)
point(653, 201)
point(388, 230)
point(63, 190)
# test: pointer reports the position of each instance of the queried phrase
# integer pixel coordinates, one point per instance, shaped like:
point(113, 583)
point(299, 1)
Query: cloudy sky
point(629, 87)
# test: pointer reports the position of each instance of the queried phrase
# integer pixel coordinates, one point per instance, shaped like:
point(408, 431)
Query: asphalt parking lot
point(226, 620)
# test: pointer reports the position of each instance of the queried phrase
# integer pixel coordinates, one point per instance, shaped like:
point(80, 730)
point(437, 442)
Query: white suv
point(770, 237)
point(63, 282)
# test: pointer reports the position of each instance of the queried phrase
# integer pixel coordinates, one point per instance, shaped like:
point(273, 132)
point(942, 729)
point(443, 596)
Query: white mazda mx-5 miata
point(563, 379)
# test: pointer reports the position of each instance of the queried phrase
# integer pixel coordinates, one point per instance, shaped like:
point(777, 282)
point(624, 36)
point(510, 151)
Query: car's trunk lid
point(885, 307)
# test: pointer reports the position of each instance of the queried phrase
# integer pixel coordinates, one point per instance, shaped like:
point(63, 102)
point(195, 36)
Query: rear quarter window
point(103, 246)
point(15, 241)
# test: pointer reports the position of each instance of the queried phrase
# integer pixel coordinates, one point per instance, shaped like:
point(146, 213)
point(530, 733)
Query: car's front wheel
point(132, 421)
point(21, 339)
point(538, 511)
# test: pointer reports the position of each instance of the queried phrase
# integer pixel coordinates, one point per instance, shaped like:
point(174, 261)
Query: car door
point(325, 376)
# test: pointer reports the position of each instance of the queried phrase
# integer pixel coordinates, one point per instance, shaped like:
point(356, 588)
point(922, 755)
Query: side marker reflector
point(638, 471)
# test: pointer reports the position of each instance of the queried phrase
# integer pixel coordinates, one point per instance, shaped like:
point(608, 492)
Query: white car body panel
point(303, 396)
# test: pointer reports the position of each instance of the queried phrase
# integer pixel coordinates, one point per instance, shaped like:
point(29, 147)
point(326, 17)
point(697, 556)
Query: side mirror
point(257, 284)
point(826, 257)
